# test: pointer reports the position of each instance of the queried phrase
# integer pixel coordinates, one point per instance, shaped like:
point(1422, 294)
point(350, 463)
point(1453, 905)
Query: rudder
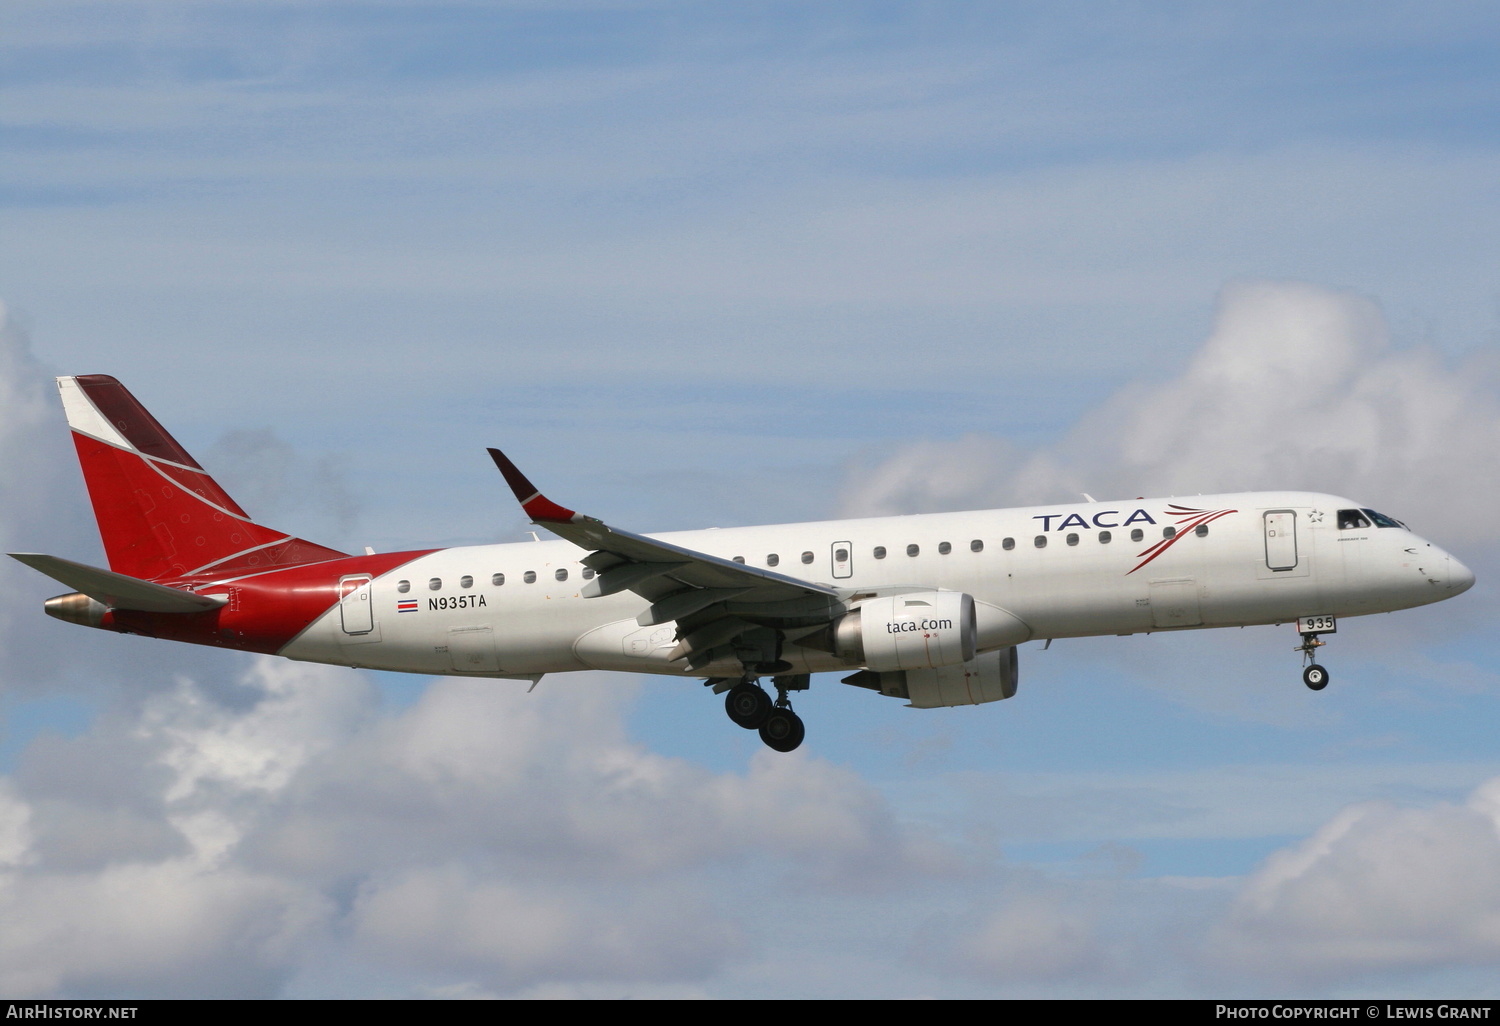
point(160, 514)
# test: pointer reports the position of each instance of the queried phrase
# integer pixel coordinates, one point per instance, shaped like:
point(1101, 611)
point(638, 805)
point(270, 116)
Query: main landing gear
point(1313, 675)
point(750, 707)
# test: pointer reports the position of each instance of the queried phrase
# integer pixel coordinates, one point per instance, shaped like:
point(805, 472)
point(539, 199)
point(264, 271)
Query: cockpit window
point(1381, 520)
point(1349, 519)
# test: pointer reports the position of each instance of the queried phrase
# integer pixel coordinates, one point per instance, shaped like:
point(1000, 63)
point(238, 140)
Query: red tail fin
point(159, 512)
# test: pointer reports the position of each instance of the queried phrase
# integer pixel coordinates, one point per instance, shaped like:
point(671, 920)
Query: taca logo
point(1140, 516)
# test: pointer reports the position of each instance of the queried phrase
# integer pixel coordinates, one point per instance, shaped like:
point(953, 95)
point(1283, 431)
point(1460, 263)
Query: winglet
point(537, 506)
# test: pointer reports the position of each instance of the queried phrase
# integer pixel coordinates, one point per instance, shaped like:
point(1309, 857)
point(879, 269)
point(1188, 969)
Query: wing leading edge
point(723, 609)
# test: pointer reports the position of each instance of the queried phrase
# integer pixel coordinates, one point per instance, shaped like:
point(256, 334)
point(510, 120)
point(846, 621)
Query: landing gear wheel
point(748, 705)
point(1315, 677)
point(783, 730)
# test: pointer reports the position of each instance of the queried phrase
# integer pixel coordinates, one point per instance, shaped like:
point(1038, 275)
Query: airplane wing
point(720, 606)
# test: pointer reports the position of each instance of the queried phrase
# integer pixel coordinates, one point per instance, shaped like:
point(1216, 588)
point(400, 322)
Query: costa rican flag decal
point(406, 606)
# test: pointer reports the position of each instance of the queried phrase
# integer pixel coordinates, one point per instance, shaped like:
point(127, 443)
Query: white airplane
point(927, 608)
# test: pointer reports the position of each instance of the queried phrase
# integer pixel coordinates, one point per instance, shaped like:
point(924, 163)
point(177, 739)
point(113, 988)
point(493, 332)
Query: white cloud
point(1378, 888)
point(451, 921)
point(224, 756)
point(128, 883)
point(15, 830)
point(472, 759)
point(165, 929)
point(482, 837)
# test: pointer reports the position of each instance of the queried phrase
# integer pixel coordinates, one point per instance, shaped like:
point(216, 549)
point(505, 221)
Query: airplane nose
point(1460, 577)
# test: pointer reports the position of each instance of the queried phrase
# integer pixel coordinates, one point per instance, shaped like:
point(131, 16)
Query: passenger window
point(466, 581)
point(588, 574)
point(739, 559)
point(1350, 519)
point(879, 552)
point(1104, 537)
point(403, 586)
point(562, 574)
point(977, 545)
point(497, 580)
point(1169, 532)
point(773, 559)
point(912, 550)
point(1201, 530)
point(1041, 541)
point(841, 555)
point(1008, 544)
point(1072, 539)
point(435, 584)
point(1136, 534)
point(807, 557)
point(529, 577)
point(944, 548)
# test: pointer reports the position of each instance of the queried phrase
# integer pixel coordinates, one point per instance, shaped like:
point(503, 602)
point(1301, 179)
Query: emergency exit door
point(843, 559)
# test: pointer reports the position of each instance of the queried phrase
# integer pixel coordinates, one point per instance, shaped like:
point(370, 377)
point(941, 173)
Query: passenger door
point(1281, 539)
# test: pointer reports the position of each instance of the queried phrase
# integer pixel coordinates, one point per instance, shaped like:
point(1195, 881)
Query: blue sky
point(702, 265)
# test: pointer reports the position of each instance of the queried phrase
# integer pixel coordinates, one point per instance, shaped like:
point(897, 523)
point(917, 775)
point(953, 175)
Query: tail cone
point(77, 608)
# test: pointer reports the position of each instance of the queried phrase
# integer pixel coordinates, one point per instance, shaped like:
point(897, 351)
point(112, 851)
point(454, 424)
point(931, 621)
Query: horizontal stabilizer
point(117, 590)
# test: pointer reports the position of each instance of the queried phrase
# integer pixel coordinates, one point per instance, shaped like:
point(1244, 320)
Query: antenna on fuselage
point(1089, 497)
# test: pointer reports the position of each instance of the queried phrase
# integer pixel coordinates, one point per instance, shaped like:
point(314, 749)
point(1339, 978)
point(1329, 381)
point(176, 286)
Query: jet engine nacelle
point(988, 677)
point(909, 632)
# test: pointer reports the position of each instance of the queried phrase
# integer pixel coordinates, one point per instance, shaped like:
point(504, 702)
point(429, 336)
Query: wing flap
point(117, 590)
point(682, 604)
point(625, 576)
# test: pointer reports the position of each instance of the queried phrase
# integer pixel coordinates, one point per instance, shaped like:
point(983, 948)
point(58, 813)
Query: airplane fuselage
point(1040, 572)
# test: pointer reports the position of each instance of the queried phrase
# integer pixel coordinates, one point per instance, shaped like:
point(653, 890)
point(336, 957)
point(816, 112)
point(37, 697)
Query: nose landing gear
point(1313, 675)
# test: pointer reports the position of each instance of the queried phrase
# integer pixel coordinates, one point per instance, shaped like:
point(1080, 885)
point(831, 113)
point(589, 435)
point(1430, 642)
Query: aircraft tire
point(783, 730)
point(748, 705)
point(1315, 677)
